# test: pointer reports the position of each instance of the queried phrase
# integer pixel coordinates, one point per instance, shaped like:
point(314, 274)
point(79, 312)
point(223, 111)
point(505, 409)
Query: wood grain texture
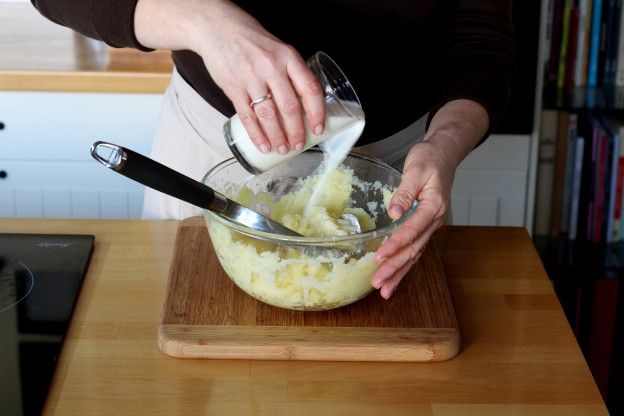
point(84, 81)
point(518, 355)
point(206, 315)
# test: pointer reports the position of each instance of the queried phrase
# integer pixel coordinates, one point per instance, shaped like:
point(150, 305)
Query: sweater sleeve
point(480, 57)
point(111, 21)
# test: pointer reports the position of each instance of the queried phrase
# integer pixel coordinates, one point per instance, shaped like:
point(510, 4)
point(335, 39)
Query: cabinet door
point(44, 153)
point(491, 184)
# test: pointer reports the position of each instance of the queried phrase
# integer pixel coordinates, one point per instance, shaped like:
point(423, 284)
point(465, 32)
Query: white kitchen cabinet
point(44, 152)
point(493, 185)
point(45, 142)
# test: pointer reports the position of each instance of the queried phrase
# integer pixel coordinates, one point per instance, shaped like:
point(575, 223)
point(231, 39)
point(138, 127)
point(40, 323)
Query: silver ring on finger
point(262, 99)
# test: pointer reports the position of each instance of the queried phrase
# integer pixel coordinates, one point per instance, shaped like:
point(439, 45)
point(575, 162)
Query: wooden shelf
point(38, 55)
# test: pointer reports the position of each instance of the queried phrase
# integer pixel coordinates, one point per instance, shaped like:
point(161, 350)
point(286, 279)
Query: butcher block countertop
point(518, 355)
point(39, 55)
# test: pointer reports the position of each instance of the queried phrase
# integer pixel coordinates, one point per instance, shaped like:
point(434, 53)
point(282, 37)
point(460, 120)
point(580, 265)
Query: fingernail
point(299, 146)
point(376, 284)
point(384, 294)
point(396, 211)
point(283, 149)
point(264, 148)
point(379, 259)
point(318, 129)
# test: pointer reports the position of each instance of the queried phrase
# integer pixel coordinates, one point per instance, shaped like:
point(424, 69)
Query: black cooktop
point(40, 278)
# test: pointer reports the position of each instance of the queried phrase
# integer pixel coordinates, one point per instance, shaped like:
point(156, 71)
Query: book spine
point(565, 38)
point(619, 71)
point(602, 50)
point(546, 160)
point(548, 33)
point(586, 42)
point(581, 55)
point(561, 145)
point(599, 201)
point(576, 187)
point(585, 128)
point(611, 36)
point(607, 41)
point(555, 43)
point(613, 158)
point(592, 180)
point(620, 200)
point(614, 37)
point(594, 42)
point(570, 58)
point(569, 171)
point(619, 194)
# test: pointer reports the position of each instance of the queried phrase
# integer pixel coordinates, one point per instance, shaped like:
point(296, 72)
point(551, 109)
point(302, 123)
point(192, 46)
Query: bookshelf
point(579, 199)
point(608, 97)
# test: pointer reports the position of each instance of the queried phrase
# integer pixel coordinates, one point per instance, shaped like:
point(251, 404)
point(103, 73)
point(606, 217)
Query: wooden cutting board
point(206, 316)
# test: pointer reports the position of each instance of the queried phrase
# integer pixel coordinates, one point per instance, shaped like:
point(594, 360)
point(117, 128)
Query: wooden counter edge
point(84, 81)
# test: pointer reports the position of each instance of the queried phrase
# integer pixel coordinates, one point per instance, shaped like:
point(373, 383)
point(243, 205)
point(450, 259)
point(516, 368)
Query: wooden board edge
point(309, 343)
point(196, 221)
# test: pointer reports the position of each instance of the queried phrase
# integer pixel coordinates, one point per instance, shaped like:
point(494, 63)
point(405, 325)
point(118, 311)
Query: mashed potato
point(286, 276)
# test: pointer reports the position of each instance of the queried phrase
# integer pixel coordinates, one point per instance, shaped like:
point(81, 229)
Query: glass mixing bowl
point(303, 273)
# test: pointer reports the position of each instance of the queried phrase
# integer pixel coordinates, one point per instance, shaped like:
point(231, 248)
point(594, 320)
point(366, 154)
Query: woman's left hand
point(428, 174)
point(427, 177)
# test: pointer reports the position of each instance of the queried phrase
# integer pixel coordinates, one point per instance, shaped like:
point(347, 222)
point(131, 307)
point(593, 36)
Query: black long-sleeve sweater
point(403, 57)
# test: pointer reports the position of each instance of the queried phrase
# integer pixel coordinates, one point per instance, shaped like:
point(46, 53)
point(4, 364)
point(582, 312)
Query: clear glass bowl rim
point(310, 241)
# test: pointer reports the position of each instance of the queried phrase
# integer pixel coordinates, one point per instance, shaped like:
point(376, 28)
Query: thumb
point(404, 196)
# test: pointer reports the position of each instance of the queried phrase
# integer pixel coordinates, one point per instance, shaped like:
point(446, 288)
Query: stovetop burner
point(16, 282)
point(40, 278)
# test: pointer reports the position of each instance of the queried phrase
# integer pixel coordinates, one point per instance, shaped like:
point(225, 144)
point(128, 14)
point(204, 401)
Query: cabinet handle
point(3, 174)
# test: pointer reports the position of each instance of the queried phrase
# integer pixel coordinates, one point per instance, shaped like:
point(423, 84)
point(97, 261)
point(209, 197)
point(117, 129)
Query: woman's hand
point(428, 175)
point(246, 61)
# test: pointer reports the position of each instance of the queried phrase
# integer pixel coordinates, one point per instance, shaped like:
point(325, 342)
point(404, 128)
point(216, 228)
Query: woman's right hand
point(245, 61)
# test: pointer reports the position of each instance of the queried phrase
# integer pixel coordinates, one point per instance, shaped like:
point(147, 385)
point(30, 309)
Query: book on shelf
point(582, 42)
point(546, 159)
point(607, 6)
point(619, 64)
point(571, 56)
point(600, 198)
point(580, 181)
point(567, 50)
point(618, 209)
point(570, 150)
point(576, 187)
point(600, 148)
point(612, 163)
point(554, 28)
point(611, 42)
point(585, 130)
point(559, 173)
point(594, 43)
